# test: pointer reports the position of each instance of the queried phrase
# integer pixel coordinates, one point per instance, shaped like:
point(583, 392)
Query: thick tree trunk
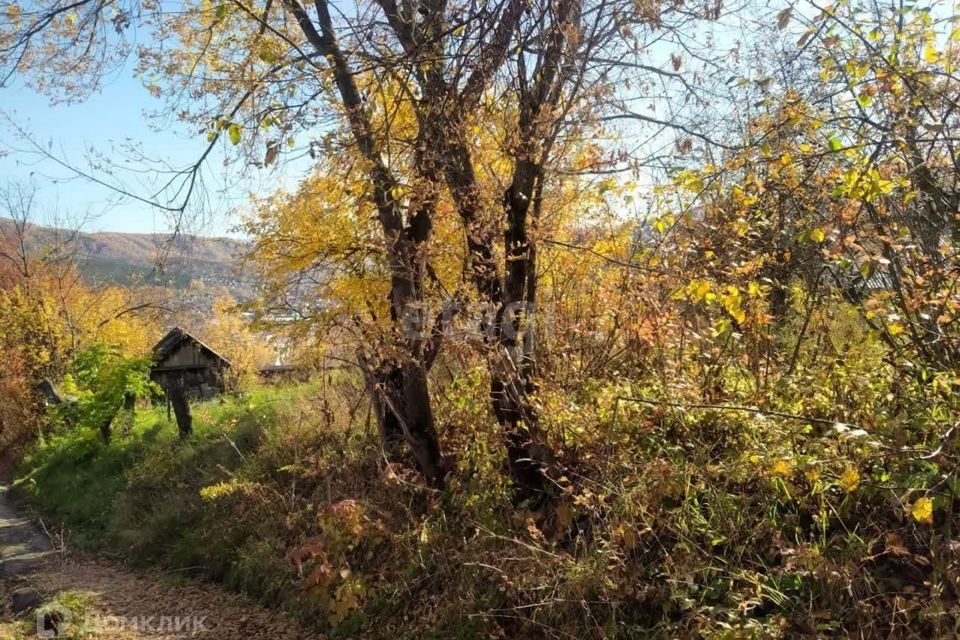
point(420, 429)
point(512, 364)
point(511, 361)
point(401, 402)
point(181, 408)
point(513, 375)
point(401, 395)
point(530, 459)
point(404, 393)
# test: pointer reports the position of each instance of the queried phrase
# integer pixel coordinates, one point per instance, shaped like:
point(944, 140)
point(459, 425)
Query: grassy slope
point(84, 482)
point(719, 525)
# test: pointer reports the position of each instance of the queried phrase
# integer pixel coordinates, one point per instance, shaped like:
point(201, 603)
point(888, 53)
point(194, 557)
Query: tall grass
point(671, 523)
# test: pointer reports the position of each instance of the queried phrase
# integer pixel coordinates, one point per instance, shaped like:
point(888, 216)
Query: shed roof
point(176, 337)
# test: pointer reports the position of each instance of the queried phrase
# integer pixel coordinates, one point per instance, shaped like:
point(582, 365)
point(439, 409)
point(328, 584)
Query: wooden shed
point(182, 362)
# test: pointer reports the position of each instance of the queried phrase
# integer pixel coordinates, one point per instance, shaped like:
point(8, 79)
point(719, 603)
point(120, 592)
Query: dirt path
point(114, 603)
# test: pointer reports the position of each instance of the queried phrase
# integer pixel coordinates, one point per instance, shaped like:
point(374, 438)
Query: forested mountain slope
point(143, 258)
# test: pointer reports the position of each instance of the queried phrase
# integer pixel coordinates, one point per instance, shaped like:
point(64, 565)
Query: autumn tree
point(850, 177)
point(49, 314)
point(400, 89)
point(892, 123)
point(228, 332)
point(106, 383)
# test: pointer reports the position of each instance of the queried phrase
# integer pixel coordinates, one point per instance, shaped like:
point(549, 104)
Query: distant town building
point(283, 373)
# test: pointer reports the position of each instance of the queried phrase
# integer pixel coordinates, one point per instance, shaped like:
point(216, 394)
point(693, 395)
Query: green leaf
point(835, 144)
point(234, 131)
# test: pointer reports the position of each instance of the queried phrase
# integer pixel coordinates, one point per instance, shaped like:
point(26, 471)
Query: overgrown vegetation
point(700, 522)
point(564, 385)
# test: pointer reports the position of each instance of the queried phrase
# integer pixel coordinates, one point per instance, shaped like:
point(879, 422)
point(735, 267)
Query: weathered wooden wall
point(200, 371)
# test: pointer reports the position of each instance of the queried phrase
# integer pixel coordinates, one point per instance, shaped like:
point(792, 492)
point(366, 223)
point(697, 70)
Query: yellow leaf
point(922, 510)
point(697, 290)
point(782, 468)
point(930, 53)
point(850, 480)
point(818, 235)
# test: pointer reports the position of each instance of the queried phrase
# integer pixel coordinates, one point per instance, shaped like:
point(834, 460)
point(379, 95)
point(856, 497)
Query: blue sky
point(116, 116)
point(119, 115)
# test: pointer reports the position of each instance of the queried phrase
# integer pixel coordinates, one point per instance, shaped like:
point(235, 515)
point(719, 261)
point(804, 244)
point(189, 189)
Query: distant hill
point(146, 259)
